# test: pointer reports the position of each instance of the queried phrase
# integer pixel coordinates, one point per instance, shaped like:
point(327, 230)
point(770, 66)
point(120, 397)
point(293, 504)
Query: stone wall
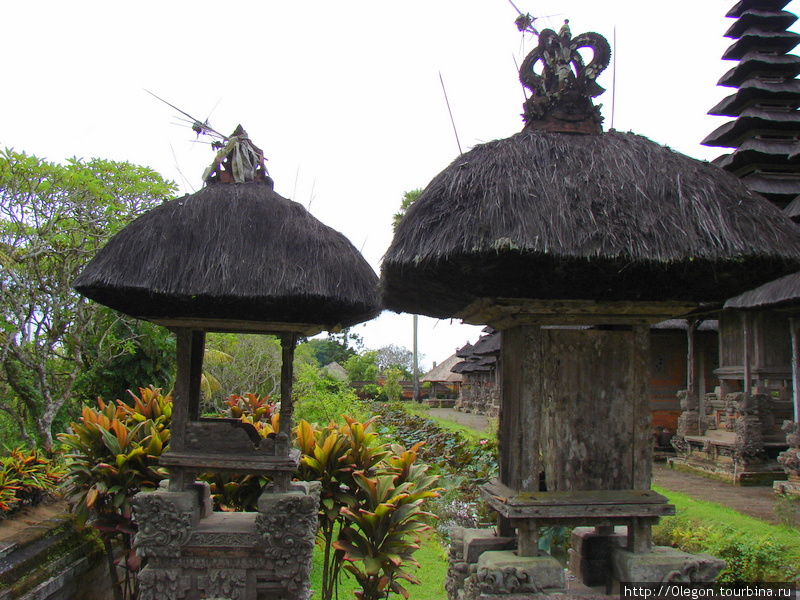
point(53, 560)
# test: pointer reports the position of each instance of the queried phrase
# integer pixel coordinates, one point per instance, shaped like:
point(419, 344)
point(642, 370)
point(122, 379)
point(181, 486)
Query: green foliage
point(392, 387)
point(26, 478)
point(322, 398)
point(370, 508)
point(53, 219)
point(383, 531)
point(463, 463)
point(254, 365)
point(113, 453)
point(337, 347)
point(398, 357)
point(362, 367)
point(408, 199)
point(749, 559)
point(124, 352)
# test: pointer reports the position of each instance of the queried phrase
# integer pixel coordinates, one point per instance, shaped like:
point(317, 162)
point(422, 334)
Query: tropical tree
point(362, 367)
point(254, 364)
point(53, 219)
point(396, 356)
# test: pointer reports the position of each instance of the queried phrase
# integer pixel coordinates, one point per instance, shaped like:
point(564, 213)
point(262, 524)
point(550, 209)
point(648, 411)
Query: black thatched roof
point(607, 217)
point(781, 293)
point(236, 252)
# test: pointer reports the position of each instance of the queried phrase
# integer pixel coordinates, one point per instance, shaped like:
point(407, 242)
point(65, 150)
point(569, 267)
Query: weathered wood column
point(575, 405)
point(186, 397)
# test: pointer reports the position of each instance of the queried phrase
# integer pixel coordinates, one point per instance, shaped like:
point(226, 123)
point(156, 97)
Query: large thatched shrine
point(233, 257)
point(571, 241)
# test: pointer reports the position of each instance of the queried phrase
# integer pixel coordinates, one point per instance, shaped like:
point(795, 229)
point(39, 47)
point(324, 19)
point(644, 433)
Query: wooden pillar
point(794, 326)
point(691, 373)
point(642, 440)
point(746, 354)
point(186, 400)
point(520, 414)
point(288, 342)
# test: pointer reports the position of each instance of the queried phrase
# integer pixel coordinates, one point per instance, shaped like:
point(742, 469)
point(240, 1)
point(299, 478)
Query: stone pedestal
point(503, 574)
point(664, 564)
point(193, 553)
point(466, 547)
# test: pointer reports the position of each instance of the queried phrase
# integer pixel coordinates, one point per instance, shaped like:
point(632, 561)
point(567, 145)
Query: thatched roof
point(606, 217)
point(442, 372)
point(237, 252)
point(781, 293)
point(337, 371)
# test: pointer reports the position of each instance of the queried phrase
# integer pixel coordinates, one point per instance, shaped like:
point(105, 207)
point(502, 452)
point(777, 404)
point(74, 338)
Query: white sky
point(343, 97)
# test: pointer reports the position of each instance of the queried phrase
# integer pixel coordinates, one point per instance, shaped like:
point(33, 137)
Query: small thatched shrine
point(233, 257)
point(564, 225)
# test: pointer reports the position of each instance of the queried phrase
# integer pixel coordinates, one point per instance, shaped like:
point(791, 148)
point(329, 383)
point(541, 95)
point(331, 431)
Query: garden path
point(755, 501)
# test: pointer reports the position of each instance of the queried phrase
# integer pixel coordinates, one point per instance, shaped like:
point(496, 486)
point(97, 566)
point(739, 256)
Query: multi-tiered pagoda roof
point(765, 132)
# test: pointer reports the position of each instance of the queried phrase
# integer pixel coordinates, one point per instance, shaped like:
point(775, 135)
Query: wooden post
point(527, 538)
point(186, 398)
point(691, 375)
point(746, 354)
point(288, 341)
point(794, 326)
point(416, 361)
point(186, 401)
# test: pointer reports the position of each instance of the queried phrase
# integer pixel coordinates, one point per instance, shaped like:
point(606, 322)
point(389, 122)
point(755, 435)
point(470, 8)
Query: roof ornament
point(238, 161)
point(561, 84)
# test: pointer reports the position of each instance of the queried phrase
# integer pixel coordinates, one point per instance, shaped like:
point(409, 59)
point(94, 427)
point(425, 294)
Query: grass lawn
point(710, 513)
point(433, 569)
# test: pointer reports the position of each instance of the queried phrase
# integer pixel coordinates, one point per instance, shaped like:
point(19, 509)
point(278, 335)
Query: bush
point(748, 559)
point(463, 464)
point(26, 478)
point(322, 398)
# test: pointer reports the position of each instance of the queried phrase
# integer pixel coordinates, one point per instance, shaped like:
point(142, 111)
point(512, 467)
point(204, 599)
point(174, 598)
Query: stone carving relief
point(510, 580)
point(226, 583)
point(287, 533)
point(703, 569)
point(163, 529)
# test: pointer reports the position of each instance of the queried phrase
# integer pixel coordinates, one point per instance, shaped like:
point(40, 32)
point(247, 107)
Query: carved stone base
point(790, 487)
point(501, 573)
point(237, 556)
point(466, 547)
point(664, 564)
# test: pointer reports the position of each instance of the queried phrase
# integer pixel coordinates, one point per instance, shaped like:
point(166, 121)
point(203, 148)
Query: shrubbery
point(463, 464)
point(26, 478)
point(748, 559)
point(372, 492)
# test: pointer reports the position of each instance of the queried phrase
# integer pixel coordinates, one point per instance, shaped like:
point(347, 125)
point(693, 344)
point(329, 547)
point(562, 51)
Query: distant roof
point(442, 372)
point(781, 293)
point(336, 370)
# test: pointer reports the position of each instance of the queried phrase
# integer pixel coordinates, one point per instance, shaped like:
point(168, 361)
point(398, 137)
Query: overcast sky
point(343, 97)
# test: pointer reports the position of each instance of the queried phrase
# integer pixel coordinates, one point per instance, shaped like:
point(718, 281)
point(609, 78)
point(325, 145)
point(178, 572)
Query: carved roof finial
point(238, 161)
point(561, 84)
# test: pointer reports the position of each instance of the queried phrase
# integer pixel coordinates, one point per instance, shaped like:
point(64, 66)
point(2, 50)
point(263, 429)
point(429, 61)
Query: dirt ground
point(756, 501)
point(28, 516)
